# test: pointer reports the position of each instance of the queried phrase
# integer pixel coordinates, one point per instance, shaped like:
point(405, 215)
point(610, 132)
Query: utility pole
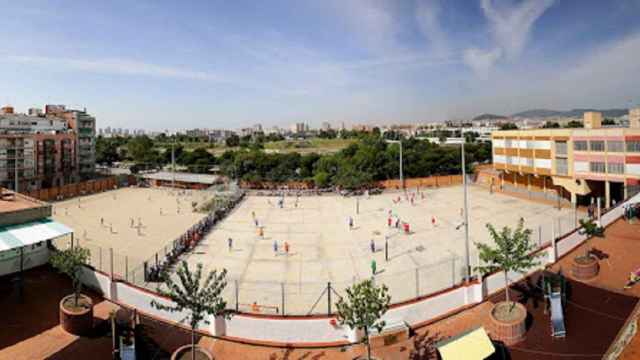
point(466, 212)
point(173, 163)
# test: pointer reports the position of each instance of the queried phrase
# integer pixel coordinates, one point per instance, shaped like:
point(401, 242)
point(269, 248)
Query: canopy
point(473, 345)
point(17, 236)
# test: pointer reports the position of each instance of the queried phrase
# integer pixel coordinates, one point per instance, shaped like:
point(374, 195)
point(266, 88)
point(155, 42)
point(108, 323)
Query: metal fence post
point(417, 282)
point(329, 298)
point(111, 262)
point(282, 291)
point(453, 270)
point(539, 236)
point(237, 297)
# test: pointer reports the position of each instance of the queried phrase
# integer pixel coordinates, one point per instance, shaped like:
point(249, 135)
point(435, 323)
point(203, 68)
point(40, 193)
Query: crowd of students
point(187, 241)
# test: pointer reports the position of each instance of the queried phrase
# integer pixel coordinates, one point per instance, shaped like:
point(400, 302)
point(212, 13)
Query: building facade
point(84, 125)
point(577, 165)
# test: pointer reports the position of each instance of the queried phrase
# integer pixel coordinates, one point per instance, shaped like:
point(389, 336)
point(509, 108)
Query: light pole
point(467, 257)
point(401, 175)
point(466, 213)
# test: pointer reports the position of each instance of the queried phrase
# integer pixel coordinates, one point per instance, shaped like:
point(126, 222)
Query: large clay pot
point(585, 267)
point(509, 331)
point(181, 353)
point(76, 321)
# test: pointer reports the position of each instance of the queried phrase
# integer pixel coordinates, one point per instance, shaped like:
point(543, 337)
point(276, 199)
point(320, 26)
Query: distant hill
point(489, 117)
point(576, 113)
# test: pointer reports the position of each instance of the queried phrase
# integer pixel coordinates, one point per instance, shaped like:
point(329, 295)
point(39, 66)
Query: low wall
point(431, 181)
point(76, 189)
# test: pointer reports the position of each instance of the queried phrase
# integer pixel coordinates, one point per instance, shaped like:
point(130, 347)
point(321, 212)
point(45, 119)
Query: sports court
point(102, 221)
point(323, 248)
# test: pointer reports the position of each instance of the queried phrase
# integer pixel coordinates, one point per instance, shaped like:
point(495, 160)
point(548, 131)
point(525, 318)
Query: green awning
point(17, 236)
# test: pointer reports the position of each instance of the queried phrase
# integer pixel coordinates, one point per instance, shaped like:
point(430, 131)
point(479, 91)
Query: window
point(597, 167)
point(633, 146)
point(596, 145)
point(562, 167)
point(580, 145)
point(615, 168)
point(615, 146)
point(561, 148)
point(507, 143)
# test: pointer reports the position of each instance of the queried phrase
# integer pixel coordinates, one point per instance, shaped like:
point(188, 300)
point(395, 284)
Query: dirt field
point(322, 247)
point(103, 221)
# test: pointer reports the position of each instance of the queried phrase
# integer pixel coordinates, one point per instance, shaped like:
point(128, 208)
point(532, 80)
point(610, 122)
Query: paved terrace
point(594, 317)
point(323, 248)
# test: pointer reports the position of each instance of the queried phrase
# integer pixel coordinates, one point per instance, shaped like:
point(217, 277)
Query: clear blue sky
point(219, 63)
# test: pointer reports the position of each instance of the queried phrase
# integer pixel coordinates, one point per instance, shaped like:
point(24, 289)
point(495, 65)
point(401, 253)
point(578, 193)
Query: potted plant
point(362, 309)
point(76, 310)
point(512, 251)
point(199, 298)
point(585, 266)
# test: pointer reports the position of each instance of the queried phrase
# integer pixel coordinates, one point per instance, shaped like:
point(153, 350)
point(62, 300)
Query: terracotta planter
point(77, 321)
point(512, 331)
point(585, 267)
point(180, 352)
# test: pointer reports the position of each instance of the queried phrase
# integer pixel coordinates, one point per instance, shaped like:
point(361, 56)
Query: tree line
point(369, 159)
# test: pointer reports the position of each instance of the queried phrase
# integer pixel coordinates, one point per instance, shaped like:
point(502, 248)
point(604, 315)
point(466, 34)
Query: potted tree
point(76, 310)
point(585, 266)
point(199, 298)
point(363, 307)
point(513, 251)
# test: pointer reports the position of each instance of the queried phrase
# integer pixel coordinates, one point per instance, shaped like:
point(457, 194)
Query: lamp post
point(401, 175)
point(466, 212)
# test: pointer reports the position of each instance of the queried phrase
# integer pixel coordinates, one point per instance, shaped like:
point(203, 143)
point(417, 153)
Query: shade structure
point(17, 236)
point(472, 345)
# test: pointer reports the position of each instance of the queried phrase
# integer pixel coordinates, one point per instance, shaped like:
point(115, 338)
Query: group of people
point(188, 241)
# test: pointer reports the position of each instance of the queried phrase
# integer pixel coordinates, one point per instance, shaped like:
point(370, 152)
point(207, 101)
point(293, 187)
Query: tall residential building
point(85, 127)
point(574, 165)
point(36, 152)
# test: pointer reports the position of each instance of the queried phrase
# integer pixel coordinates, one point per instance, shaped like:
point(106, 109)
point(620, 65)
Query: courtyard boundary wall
point(80, 188)
point(391, 184)
point(317, 330)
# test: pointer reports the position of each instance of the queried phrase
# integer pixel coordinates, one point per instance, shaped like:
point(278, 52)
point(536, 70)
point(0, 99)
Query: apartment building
point(84, 125)
point(573, 165)
point(37, 159)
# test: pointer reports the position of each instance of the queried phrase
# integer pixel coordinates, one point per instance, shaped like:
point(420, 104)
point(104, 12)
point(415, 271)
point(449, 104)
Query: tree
point(106, 151)
point(513, 251)
point(574, 124)
point(551, 125)
point(363, 307)
point(69, 262)
point(608, 121)
point(197, 297)
point(508, 126)
point(232, 141)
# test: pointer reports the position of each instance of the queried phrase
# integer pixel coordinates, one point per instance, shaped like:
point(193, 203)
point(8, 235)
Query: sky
point(158, 65)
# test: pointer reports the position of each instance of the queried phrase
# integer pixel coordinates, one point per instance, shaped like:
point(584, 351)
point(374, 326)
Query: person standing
point(373, 267)
point(373, 246)
point(286, 247)
point(275, 247)
point(230, 243)
point(350, 220)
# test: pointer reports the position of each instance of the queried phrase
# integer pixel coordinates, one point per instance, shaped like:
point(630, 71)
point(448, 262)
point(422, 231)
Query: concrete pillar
point(574, 199)
point(528, 182)
point(624, 186)
point(607, 194)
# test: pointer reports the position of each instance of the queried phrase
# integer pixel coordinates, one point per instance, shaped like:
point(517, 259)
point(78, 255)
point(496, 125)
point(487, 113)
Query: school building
point(571, 165)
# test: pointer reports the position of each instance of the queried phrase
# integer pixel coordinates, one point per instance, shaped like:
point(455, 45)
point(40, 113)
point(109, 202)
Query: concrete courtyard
point(156, 209)
point(323, 249)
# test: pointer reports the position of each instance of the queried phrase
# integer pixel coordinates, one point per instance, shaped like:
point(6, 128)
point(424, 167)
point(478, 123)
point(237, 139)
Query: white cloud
point(511, 25)
point(115, 66)
point(428, 14)
point(481, 61)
